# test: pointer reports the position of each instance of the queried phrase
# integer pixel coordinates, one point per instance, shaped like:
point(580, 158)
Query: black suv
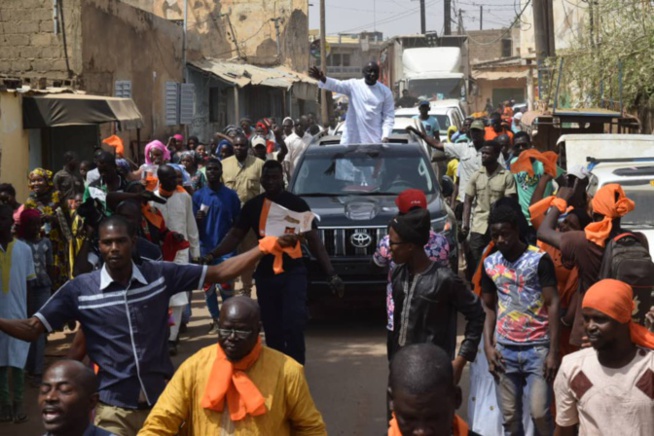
point(352, 188)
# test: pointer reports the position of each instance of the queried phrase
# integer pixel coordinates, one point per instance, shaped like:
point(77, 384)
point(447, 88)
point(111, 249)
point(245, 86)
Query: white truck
point(435, 73)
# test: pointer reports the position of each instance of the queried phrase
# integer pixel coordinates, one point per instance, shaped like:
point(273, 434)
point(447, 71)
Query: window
point(346, 60)
point(507, 48)
point(123, 88)
point(335, 60)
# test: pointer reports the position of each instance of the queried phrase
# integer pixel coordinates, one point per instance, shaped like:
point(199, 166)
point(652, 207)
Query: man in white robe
point(179, 218)
point(371, 112)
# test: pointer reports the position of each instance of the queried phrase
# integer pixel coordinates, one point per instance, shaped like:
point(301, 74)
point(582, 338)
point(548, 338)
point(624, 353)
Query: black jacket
point(426, 311)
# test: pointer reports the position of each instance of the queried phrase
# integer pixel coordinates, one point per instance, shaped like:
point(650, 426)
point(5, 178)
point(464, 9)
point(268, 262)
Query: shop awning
point(58, 110)
point(498, 75)
point(241, 75)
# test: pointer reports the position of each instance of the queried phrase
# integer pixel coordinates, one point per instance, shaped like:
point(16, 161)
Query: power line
point(507, 31)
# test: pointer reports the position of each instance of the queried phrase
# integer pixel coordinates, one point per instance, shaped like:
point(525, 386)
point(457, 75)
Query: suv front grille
point(341, 241)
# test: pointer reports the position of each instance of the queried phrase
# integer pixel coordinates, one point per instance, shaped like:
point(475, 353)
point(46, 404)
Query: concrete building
point(259, 32)
point(349, 53)
point(103, 47)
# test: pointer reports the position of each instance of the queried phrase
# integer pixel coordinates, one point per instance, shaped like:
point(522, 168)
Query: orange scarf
point(523, 163)
point(229, 381)
point(476, 279)
point(540, 208)
point(269, 245)
point(615, 299)
point(167, 194)
point(604, 203)
point(154, 216)
point(459, 427)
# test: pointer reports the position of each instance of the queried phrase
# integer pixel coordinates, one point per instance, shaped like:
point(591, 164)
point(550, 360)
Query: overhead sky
point(402, 17)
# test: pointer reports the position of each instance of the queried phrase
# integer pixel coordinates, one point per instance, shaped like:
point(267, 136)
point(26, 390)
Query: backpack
point(628, 260)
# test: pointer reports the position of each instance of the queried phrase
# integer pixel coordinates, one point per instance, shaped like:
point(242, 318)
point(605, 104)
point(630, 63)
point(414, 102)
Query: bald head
point(423, 395)
point(76, 373)
point(421, 369)
point(241, 308)
point(371, 73)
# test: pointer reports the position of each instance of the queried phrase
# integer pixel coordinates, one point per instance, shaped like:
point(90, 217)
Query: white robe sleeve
point(340, 86)
point(192, 228)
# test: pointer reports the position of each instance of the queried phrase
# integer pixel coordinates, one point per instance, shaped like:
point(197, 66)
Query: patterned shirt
point(521, 312)
point(42, 254)
point(437, 249)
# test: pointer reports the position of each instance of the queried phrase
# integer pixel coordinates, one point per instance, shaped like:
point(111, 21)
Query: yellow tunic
point(280, 379)
point(245, 179)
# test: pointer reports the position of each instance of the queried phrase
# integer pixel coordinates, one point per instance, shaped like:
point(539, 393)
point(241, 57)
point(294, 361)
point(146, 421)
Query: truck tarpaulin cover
point(58, 110)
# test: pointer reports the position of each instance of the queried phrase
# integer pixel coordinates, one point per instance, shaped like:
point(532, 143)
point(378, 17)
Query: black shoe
point(172, 348)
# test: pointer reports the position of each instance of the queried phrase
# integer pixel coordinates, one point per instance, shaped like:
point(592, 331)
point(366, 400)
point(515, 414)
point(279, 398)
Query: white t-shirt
point(606, 401)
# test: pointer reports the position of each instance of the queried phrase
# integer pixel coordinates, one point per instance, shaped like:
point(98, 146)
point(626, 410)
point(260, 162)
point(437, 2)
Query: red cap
point(409, 199)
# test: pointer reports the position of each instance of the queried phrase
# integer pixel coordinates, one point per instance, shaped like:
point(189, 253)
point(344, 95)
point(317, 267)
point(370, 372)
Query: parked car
point(352, 188)
point(445, 116)
point(637, 181)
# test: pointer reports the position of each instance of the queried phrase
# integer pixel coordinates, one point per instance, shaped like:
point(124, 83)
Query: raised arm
point(432, 142)
point(547, 231)
point(324, 82)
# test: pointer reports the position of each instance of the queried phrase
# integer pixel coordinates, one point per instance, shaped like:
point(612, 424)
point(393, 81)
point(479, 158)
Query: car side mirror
point(447, 186)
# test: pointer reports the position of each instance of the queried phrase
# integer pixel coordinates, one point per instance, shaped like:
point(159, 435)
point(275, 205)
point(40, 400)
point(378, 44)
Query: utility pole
point(447, 17)
point(324, 114)
point(460, 24)
point(481, 17)
point(541, 39)
point(423, 19)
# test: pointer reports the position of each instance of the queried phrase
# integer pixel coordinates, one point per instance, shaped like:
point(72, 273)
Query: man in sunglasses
point(238, 386)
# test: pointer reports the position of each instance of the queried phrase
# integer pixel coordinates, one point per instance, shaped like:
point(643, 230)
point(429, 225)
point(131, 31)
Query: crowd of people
point(124, 246)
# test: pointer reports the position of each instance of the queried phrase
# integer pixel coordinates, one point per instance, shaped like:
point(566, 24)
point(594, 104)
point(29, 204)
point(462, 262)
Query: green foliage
point(622, 36)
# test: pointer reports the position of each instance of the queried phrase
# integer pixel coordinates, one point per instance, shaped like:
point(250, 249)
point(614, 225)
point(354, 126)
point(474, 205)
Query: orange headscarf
point(269, 245)
point(524, 162)
point(604, 203)
point(615, 299)
point(538, 210)
point(228, 381)
point(459, 427)
point(116, 142)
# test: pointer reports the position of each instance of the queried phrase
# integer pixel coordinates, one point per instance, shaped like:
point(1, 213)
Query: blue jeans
point(524, 368)
point(35, 358)
point(283, 302)
point(211, 297)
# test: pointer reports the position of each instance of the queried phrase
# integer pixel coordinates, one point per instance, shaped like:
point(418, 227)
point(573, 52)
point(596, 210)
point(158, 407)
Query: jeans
point(283, 302)
point(211, 297)
point(34, 364)
point(524, 368)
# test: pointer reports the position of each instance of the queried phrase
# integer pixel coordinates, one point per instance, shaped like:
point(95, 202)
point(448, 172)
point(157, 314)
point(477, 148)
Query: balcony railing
point(343, 70)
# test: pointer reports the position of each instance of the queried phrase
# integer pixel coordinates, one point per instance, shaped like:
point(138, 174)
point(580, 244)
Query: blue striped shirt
point(126, 329)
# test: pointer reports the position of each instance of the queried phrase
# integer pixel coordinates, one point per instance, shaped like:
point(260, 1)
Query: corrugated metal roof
point(246, 74)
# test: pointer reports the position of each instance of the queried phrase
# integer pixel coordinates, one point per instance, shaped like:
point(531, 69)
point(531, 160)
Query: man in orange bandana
point(585, 248)
point(609, 388)
point(424, 396)
point(237, 387)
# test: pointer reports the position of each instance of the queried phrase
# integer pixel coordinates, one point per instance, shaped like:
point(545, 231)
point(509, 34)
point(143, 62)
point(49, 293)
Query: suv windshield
point(642, 193)
point(365, 172)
